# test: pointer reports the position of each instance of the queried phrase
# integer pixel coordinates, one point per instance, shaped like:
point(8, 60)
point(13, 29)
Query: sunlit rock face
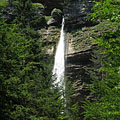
point(76, 14)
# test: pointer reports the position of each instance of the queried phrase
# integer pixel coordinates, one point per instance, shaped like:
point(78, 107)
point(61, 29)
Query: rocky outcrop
point(50, 36)
point(50, 5)
point(75, 14)
point(56, 18)
point(79, 50)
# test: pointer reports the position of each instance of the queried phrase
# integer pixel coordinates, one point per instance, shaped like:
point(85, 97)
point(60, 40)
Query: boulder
point(56, 18)
point(51, 22)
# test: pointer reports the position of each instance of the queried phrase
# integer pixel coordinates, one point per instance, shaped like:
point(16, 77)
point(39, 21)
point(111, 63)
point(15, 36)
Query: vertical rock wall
point(75, 14)
point(79, 49)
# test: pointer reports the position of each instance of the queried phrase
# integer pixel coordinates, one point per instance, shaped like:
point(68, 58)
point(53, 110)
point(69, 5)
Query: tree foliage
point(25, 77)
point(106, 88)
point(26, 89)
point(109, 9)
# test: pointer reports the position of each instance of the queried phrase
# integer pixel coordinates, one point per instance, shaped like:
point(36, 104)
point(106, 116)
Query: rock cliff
point(80, 48)
point(79, 41)
point(75, 14)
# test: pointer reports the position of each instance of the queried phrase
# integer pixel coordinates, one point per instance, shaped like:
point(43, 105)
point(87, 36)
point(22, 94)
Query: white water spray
point(59, 63)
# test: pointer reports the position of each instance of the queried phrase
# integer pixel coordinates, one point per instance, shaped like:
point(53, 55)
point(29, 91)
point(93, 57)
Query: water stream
point(59, 62)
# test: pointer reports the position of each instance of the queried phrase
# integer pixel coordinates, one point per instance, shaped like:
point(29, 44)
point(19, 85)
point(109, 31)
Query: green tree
point(25, 77)
point(106, 88)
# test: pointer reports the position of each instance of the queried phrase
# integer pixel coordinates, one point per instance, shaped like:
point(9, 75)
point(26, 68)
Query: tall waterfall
point(59, 62)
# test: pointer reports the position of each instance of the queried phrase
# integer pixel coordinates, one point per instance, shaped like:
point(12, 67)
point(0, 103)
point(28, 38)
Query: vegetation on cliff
point(26, 89)
point(106, 74)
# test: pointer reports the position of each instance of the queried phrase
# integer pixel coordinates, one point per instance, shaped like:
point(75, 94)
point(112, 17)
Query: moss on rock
point(83, 38)
point(3, 3)
point(38, 5)
point(51, 37)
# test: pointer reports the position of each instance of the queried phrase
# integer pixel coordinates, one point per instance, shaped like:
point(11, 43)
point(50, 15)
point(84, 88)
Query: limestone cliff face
point(79, 44)
point(79, 64)
point(75, 14)
point(79, 49)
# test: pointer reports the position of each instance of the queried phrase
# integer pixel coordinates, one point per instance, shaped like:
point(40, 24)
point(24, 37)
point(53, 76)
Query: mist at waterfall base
point(59, 61)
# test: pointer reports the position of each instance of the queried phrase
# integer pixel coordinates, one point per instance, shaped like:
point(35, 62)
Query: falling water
point(59, 63)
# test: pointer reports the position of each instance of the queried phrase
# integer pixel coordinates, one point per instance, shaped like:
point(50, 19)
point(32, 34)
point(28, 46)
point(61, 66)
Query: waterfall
point(59, 62)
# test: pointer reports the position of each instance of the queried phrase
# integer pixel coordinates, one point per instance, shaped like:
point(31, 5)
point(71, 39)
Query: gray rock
point(56, 14)
point(75, 14)
point(56, 18)
point(51, 22)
